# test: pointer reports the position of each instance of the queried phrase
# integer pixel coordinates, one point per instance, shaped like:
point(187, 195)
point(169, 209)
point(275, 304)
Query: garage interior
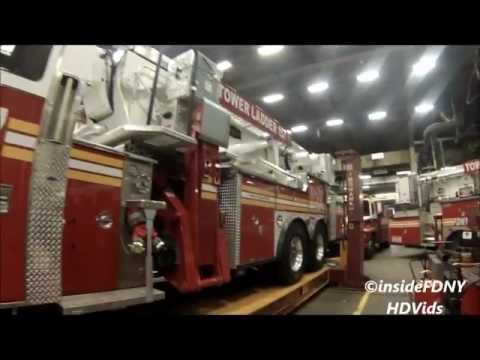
point(240, 179)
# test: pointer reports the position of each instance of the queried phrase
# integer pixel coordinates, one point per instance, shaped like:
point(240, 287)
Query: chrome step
point(107, 300)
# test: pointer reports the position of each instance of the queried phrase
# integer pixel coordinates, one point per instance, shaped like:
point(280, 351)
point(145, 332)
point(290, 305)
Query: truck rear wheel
point(291, 263)
point(316, 249)
point(370, 250)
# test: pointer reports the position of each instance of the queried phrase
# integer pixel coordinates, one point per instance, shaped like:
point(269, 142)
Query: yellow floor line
point(362, 304)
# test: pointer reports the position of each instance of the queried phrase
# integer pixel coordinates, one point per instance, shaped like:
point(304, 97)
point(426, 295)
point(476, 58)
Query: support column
point(351, 166)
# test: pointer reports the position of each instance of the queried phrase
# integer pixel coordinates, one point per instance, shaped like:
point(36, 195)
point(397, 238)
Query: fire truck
point(433, 206)
point(121, 168)
point(375, 226)
point(455, 208)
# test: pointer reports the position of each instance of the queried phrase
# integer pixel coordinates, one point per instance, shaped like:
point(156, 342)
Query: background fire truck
point(121, 168)
point(446, 195)
point(375, 226)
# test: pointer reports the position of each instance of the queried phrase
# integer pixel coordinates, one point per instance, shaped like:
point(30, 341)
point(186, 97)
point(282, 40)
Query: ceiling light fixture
point(267, 50)
point(224, 65)
point(365, 176)
point(318, 87)
point(273, 98)
point(378, 156)
point(423, 108)
point(423, 66)
point(366, 187)
point(368, 76)
point(334, 122)
point(299, 128)
point(377, 115)
point(404, 172)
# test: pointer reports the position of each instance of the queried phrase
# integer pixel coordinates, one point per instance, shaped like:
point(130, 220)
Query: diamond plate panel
point(45, 223)
point(230, 195)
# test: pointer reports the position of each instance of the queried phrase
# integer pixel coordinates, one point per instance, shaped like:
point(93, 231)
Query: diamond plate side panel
point(230, 193)
point(45, 223)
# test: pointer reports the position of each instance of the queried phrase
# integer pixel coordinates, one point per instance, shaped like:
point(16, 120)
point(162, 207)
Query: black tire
point(283, 269)
point(370, 250)
point(312, 262)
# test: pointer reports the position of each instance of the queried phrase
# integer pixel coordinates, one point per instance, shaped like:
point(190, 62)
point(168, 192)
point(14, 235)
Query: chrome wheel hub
point(296, 253)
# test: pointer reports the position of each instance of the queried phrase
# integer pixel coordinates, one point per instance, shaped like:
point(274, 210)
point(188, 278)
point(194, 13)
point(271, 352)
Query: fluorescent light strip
point(368, 76)
point(334, 122)
point(377, 115)
point(268, 50)
point(318, 87)
point(423, 108)
point(299, 129)
point(423, 66)
point(378, 156)
point(273, 98)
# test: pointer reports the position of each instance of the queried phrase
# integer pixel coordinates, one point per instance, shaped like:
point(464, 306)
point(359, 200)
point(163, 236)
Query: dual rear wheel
point(299, 253)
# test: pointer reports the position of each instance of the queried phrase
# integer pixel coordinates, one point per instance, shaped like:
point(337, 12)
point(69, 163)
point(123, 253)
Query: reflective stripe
point(257, 203)
point(24, 126)
point(450, 221)
point(256, 199)
point(93, 178)
point(94, 168)
point(295, 199)
point(253, 196)
point(209, 195)
point(20, 139)
point(17, 153)
point(257, 190)
point(209, 188)
point(298, 209)
point(96, 158)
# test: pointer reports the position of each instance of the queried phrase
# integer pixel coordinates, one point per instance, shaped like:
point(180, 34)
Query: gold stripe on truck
point(209, 195)
point(257, 191)
point(96, 158)
point(17, 153)
point(258, 203)
point(294, 199)
point(93, 178)
point(297, 209)
point(26, 127)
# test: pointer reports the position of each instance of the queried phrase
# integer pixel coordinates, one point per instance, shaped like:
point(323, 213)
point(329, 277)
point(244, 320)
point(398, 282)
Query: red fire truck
point(447, 195)
point(375, 227)
point(121, 168)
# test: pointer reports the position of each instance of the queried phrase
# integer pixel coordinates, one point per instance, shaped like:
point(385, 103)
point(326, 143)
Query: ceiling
point(395, 91)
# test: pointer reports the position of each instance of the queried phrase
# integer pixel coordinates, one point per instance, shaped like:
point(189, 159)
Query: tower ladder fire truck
point(121, 168)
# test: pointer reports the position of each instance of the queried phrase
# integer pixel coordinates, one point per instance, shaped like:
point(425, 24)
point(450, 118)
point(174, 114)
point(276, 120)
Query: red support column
point(351, 166)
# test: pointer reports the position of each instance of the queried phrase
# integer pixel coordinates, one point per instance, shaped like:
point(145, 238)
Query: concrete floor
point(389, 265)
